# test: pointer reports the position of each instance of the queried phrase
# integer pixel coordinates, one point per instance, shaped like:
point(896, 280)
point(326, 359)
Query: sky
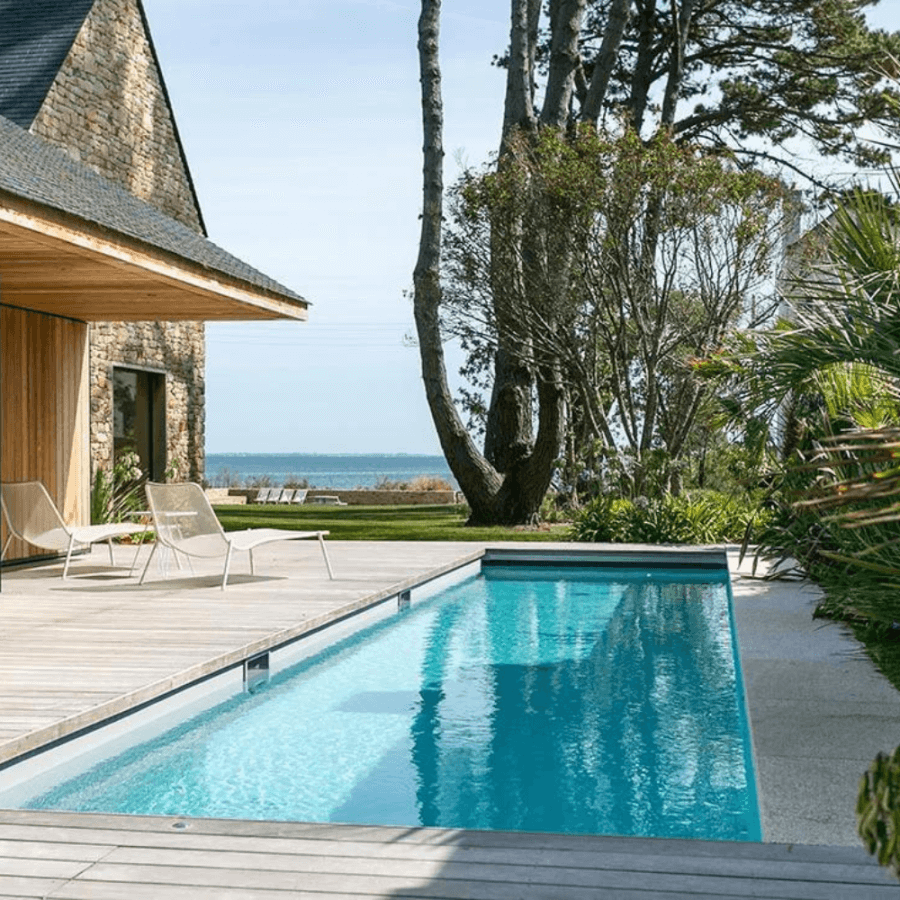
point(301, 124)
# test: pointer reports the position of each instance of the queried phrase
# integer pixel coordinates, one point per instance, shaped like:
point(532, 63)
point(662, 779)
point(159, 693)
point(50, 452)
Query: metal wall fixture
point(256, 672)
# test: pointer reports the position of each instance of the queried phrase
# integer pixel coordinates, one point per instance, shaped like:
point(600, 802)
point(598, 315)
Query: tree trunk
point(566, 18)
point(474, 474)
point(606, 60)
point(493, 499)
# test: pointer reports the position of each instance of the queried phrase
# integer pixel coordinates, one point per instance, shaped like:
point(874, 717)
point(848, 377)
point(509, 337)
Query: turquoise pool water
point(527, 698)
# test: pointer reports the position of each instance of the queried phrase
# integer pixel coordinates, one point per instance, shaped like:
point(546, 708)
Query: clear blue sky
point(301, 124)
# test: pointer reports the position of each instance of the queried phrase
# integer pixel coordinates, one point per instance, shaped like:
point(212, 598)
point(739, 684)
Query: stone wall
point(179, 350)
point(108, 108)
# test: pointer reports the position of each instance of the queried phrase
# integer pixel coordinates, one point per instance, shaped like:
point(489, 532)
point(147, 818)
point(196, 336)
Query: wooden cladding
point(55, 265)
point(45, 410)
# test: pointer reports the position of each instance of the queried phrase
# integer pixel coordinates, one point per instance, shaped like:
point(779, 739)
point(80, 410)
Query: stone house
point(84, 76)
point(106, 271)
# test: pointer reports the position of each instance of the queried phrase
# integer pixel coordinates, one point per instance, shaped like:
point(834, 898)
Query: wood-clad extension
point(45, 411)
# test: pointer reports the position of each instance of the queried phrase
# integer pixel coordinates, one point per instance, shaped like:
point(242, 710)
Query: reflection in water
point(526, 700)
point(636, 729)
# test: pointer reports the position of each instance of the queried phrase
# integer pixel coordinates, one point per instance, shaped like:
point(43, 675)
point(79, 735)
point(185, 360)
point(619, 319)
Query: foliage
point(699, 518)
point(568, 315)
point(749, 75)
point(635, 308)
point(828, 381)
point(419, 483)
point(878, 810)
point(114, 496)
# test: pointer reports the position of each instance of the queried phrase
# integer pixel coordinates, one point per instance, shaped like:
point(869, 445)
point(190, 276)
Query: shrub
point(114, 496)
point(419, 483)
point(701, 518)
point(878, 810)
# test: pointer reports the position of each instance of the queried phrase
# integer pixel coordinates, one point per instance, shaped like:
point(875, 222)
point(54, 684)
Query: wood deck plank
point(234, 859)
point(28, 888)
point(287, 852)
point(449, 880)
point(526, 864)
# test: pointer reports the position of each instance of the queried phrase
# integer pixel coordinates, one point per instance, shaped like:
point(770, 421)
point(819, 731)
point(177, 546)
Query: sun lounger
point(185, 523)
point(286, 495)
point(328, 500)
point(264, 495)
point(32, 516)
point(299, 497)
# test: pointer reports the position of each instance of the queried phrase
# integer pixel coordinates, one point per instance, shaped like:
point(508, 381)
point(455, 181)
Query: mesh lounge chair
point(299, 496)
point(32, 516)
point(185, 523)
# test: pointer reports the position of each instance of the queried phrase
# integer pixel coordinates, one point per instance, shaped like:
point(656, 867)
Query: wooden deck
point(81, 857)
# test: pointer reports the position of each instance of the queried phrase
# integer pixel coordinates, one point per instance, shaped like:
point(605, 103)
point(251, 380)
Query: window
point(139, 418)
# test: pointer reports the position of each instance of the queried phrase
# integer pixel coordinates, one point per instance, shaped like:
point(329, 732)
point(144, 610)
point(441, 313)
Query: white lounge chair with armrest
point(32, 516)
point(185, 523)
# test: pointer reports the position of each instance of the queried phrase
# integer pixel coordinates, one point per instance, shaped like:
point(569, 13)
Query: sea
point(323, 470)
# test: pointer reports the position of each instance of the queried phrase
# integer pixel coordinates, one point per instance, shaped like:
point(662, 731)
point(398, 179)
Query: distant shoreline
point(336, 471)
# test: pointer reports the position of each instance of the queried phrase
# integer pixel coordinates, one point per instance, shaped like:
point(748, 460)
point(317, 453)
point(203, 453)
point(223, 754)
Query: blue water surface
point(524, 699)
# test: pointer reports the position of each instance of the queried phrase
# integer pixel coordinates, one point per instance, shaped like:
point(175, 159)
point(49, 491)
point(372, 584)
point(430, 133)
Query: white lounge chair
point(32, 516)
point(299, 496)
point(264, 495)
point(185, 523)
point(286, 495)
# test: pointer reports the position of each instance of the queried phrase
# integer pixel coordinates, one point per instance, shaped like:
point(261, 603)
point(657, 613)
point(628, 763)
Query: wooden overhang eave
point(56, 263)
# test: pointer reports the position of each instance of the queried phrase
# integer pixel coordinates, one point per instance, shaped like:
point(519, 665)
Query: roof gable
point(35, 37)
point(34, 170)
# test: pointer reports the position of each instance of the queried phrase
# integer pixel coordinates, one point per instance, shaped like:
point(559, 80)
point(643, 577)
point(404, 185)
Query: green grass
point(376, 523)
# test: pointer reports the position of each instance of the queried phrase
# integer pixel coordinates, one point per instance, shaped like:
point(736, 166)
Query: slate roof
point(35, 37)
point(35, 170)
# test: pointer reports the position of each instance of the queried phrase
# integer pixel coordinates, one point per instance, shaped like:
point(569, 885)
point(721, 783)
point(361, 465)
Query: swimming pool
point(525, 698)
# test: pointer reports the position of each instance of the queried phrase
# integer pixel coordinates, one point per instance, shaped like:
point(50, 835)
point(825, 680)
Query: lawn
point(377, 523)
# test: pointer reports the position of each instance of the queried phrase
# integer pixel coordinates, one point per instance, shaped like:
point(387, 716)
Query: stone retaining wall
point(356, 498)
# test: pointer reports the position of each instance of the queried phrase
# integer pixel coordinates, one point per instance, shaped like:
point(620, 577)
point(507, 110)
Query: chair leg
point(68, 557)
point(137, 553)
point(112, 561)
point(147, 564)
point(252, 572)
point(227, 564)
point(325, 554)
